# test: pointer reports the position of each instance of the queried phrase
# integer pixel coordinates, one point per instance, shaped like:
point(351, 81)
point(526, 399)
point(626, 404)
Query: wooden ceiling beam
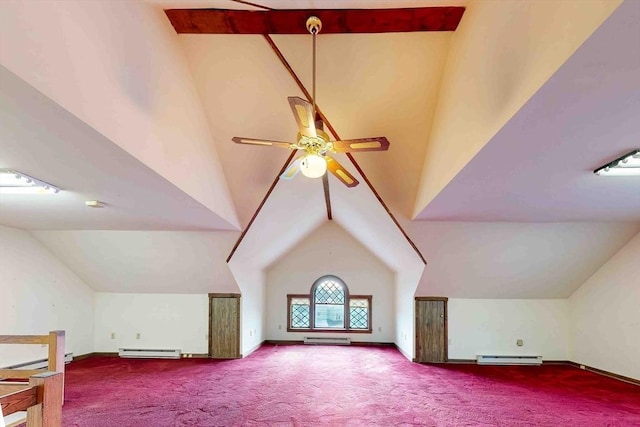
point(327, 195)
point(264, 200)
point(334, 21)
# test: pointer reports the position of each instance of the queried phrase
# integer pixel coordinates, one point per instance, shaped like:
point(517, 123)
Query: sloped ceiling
point(539, 166)
point(145, 261)
point(292, 211)
point(500, 56)
point(514, 260)
point(158, 110)
point(358, 89)
point(296, 208)
point(131, 85)
point(41, 139)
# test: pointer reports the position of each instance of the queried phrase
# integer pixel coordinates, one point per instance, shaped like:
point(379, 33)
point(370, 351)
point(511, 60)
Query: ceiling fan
point(316, 144)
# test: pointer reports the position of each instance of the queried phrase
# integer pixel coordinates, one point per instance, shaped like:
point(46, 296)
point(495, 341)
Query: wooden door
point(431, 329)
point(224, 326)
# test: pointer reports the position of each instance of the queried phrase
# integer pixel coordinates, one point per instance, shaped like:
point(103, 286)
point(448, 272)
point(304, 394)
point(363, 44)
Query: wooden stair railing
point(55, 341)
point(43, 396)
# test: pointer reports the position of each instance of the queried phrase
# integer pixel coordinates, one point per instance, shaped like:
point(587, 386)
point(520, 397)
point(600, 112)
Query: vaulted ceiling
point(501, 121)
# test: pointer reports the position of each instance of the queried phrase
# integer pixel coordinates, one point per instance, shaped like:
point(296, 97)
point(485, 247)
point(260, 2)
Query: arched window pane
point(329, 292)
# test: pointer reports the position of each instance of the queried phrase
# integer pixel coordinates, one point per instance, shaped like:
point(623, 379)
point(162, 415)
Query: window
point(359, 313)
point(328, 302)
point(299, 312)
point(329, 308)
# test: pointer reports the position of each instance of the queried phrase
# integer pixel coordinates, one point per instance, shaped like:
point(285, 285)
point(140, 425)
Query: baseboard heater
point(325, 340)
point(147, 353)
point(39, 364)
point(489, 359)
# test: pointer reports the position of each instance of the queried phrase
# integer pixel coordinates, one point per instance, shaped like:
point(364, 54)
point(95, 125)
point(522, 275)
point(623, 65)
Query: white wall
point(163, 321)
point(330, 250)
point(480, 326)
point(39, 294)
point(251, 281)
point(605, 315)
point(406, 284)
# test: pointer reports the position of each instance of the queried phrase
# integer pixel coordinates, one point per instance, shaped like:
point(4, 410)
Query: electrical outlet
point(379, 328)
point(250, 332)
point(279, 326)
point(138, 336)
point(519, 343)
point(113, 335)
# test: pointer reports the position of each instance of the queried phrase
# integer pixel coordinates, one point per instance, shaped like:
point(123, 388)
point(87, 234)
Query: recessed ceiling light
point(14, 182)
point(627, 165)
point(94, 204)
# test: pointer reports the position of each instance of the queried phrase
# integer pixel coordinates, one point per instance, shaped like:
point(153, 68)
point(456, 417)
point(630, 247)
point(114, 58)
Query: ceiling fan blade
point(292, 170)
point(251, 141)
point(303, 112)
point(364, 144)
point(340, 172)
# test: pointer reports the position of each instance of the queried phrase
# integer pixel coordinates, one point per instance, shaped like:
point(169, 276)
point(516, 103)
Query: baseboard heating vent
point(488, 359)
point(326, 340)
point(39, 364)
point(149, 353)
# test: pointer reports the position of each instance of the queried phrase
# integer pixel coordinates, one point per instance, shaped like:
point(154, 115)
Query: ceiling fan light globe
point(313, 166)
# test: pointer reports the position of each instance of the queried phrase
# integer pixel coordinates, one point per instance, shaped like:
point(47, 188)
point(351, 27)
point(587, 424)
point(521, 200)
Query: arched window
point(330, 295)
point(329, 307)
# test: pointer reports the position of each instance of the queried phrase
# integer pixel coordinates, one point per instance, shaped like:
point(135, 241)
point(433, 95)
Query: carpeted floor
point(339, 386)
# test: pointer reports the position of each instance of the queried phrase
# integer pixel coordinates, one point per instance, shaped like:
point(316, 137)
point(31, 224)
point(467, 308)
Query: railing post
point(48, 413)
point(56, 354)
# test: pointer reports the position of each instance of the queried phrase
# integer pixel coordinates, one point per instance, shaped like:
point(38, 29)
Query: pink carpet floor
point(339, 386)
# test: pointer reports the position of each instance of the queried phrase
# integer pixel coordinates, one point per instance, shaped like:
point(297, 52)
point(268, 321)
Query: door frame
point(446, 326)
point(223, 295)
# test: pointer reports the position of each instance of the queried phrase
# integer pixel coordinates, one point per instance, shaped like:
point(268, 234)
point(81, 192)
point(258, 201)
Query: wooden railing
point(55, 342)
point(42, 397)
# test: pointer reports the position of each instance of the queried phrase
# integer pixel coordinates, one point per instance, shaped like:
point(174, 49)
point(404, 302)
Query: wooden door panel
point(224, 327)
point(431, 331)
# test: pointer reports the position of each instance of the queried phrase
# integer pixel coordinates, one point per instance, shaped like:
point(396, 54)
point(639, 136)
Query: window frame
point(368, 299)
point(290, 297)
point(347, 320)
